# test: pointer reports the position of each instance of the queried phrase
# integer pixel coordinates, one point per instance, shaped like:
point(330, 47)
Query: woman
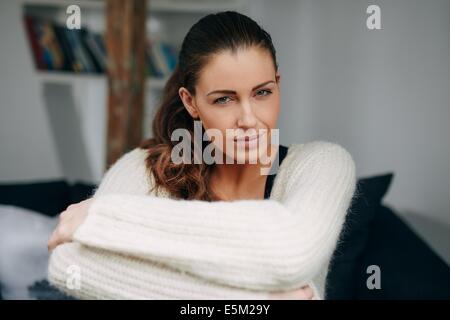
point(161, 229)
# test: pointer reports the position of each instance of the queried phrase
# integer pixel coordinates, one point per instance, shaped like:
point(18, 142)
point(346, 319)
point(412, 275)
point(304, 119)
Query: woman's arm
point(103, 274)
point(255, 244)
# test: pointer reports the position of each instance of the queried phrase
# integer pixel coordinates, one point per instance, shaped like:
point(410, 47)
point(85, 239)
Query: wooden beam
point(125, 42)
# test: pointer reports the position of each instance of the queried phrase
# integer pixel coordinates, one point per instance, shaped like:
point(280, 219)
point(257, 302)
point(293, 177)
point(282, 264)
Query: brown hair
point(214, 33)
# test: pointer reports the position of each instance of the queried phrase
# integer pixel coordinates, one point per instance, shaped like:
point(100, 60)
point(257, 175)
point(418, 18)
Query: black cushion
point(409, 269)
point(354, 237)
point(48, 197)
point(43, 290)
point(80, 191)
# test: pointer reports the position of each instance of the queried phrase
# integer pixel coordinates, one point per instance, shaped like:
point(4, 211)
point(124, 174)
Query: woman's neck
point(240, 181)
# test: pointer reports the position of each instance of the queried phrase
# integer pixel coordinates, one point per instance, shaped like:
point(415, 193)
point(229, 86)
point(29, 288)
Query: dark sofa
point(373, 235)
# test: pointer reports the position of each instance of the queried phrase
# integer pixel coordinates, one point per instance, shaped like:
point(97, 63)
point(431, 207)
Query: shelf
point(189, 6)
point(62, 77)
point(69, 78)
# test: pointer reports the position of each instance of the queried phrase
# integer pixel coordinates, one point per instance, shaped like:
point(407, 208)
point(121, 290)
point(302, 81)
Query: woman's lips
point(249, 141)
point(247, 138)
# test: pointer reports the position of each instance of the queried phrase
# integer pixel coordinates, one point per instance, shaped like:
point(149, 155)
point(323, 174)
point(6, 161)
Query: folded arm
point(253, 244)
point(105, 274)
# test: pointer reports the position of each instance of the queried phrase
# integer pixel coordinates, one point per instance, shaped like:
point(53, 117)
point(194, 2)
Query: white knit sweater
point(137, 245)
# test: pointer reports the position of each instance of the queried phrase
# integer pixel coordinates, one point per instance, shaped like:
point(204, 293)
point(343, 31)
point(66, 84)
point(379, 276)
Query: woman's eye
point(267, 92)
point(220, 100)
point(223, 100)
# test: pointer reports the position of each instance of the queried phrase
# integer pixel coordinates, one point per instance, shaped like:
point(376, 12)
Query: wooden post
point(125, 42)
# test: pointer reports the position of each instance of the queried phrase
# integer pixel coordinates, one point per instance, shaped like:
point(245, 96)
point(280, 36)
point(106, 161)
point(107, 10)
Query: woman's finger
point(55, 239)
point(303, 293)
point(307, 292)
point(51, 244)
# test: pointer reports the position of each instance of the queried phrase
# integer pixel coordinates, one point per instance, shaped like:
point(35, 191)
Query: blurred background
point(382, 94)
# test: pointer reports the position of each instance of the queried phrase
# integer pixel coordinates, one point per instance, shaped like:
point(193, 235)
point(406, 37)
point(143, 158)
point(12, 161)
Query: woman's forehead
point(232, 71)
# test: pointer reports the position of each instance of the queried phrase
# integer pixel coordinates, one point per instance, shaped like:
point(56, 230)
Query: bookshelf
point(167, 20)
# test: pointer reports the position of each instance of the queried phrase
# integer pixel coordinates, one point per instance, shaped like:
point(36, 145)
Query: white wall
point(382, 94)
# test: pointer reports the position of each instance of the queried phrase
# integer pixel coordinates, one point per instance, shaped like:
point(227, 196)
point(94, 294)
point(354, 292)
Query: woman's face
point(240, 92)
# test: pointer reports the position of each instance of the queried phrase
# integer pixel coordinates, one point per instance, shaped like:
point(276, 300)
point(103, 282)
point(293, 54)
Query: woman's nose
point(247, 118)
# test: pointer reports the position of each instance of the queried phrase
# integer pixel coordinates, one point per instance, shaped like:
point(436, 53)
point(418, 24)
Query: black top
point(282, 150)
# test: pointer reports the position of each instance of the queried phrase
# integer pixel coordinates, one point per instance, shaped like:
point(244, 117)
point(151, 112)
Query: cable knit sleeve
point(254, 244)
point(106, 274)
point(109, 275)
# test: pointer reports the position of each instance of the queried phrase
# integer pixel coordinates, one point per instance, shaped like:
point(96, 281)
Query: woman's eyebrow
point(233, 92)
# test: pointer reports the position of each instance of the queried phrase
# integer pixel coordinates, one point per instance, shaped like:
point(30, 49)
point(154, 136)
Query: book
point(65, 47)
point(36, 50)
point(52, 46)
point(92, 42)
point(57, 48)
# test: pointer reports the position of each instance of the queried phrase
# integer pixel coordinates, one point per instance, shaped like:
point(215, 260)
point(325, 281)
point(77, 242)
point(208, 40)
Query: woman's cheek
point(267, 112)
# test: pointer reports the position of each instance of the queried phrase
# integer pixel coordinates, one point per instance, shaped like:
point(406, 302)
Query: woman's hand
point(303, 293)
point(69, 221)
